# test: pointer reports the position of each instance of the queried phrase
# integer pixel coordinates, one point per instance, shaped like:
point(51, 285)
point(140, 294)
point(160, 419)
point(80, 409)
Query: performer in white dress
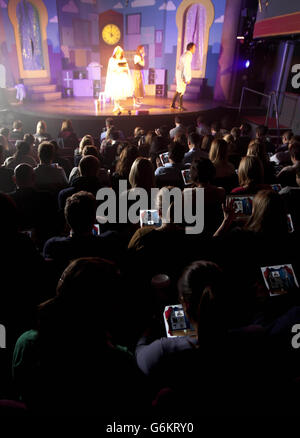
point(118, 84)
point(138, 80)
point(183, 75)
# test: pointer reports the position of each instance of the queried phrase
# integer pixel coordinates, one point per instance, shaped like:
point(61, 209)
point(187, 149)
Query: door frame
point(43, 16)
point(180, 17)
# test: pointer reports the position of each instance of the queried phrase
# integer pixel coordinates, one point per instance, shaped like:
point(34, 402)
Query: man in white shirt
point(183, 75)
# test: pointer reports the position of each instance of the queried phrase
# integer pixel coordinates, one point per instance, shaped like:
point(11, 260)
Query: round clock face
point(111, 34)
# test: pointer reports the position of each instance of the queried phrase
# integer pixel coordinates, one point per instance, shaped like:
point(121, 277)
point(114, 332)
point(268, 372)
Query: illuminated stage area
point(154, 112)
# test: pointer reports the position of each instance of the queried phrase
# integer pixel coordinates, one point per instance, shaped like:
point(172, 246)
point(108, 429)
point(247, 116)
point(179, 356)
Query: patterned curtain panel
point(30, 36)
point(194, 29)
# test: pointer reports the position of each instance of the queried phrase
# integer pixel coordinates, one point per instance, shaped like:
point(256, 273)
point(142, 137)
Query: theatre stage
point(86, 119)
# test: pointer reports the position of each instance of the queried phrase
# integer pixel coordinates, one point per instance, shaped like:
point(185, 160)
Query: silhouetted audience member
point(53, 376)
point(49, 176)
point(36, 210)
point(41, 133)
point(287, 176)
point(6, 175)
point(170, 174)
point(80, 215)
point(87, 180)
point(67, 138)
point(195, 150)
point(251, 176)
point(17, 131)
point(23, 155)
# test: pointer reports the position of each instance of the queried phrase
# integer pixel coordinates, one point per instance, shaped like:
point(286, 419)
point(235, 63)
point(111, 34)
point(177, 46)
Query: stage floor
point(81, 110)
point(78, 107)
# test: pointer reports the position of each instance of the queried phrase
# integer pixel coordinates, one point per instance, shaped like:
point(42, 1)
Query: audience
point(117, 278)
point(17, 131)
point(287, 176)
point(195, 149)
point(218, 155)
point(179, 128)
point(87, 180)
point(41, 133)
point(80, 215)
point(23, 155)
point(36, 210)
point(170, 174)
point(251, 176)
point(69, 364)
point(49, 176)
point(67, 137)
point(6, 175)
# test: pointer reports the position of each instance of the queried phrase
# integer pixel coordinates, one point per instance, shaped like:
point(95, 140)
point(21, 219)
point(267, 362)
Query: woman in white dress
point(118, 84)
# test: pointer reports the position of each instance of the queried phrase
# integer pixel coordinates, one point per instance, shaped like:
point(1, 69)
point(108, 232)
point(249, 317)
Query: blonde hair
point(142, 174)
point(250, 171)
point(87, 140)
point(218, 150)
point(41, 127)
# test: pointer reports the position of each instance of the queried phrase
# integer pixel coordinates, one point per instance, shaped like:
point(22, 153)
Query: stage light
point(247, 63)
point(239, 37)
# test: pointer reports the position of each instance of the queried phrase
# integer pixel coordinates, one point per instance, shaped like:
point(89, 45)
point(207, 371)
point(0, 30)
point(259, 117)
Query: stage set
point(57, 54)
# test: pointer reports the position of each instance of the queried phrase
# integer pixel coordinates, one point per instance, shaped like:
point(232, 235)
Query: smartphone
point(96, 230)
point(186, 175)
point(164, 158)
point(276, 187)
point(149, 218)
point(242, 205)
point(176, 322)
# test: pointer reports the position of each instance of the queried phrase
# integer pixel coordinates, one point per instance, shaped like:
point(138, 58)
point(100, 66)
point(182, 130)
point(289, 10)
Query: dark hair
point(23, 174)
point(261, 131)
point(200, 287)
point(89, 166)
point(29, 138)
point(195, 139)
point(23, 148)
point(67, 125)
point(46, 152)
point(190, 46)
point(216, 126)
point(295, 150)
point(176, 151)
point(91, 150)
point(164, 131)
point(268, 214)
point(80, 211)
point(76, 298)
point(288, 134)
point(202, 171)
point(236, 132)
point(178, 119)
point(245, 128)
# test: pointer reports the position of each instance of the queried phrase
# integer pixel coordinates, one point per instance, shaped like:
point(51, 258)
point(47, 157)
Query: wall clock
point(111, 34)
